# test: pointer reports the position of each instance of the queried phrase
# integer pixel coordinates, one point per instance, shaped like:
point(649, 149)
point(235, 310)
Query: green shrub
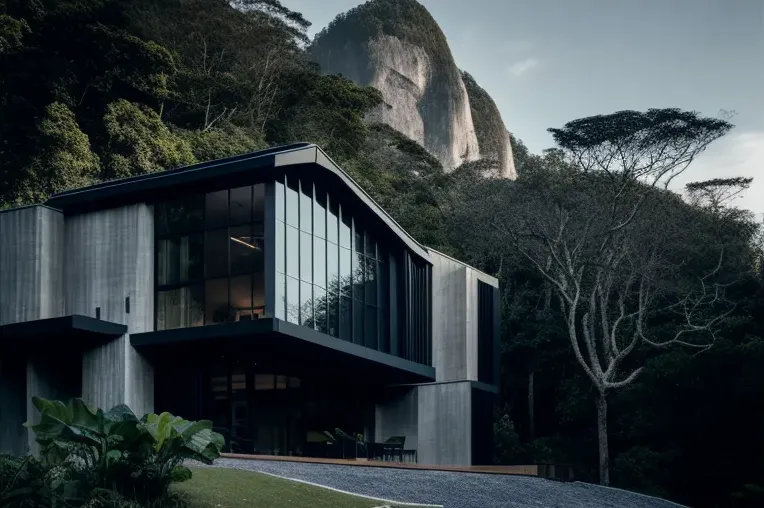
point(114, 452)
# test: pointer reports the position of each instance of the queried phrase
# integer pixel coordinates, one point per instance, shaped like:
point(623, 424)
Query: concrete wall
point(31, 288)
point(110, 256)
point(455, 318)
point(449, 326)
point(31, 264)
point(445, 424)
point(398, 416)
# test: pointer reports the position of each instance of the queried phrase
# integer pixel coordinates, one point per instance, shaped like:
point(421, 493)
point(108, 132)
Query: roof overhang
point(294, 343)
point(72, 331)
point(268, 164)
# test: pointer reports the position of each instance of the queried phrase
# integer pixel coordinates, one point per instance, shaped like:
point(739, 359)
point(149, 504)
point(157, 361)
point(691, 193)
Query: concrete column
point(110, 257)
point(445, 424)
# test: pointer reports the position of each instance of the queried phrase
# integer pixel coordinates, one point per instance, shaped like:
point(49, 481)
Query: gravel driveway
point(453, 490)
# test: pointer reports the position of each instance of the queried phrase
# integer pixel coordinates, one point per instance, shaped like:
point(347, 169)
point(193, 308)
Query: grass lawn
point(232, 488)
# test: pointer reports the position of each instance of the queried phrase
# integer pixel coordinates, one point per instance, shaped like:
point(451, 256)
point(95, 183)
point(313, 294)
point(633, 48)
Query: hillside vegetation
point(92, 90)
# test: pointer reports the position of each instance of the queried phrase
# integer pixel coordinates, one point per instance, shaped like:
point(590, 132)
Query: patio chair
point(393, 447)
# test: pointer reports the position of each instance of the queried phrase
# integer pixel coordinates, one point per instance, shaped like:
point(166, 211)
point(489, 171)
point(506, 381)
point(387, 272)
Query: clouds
point(520, 52)
point(523, 67)
point(736, 154)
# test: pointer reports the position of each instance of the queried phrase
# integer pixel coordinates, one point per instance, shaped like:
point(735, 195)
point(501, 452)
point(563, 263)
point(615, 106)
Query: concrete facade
point(52, 266)
point(109, 258)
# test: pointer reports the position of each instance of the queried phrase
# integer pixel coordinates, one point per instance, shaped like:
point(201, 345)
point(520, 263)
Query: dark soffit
point(75, 329)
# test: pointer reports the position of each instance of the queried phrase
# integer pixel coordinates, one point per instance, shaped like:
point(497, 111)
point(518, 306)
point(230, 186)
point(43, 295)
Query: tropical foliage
point(87, 453)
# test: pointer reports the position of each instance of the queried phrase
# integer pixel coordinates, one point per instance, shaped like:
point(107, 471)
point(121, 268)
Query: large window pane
point(258, 293)
point(333, 316)
point(192, 257)
point(216, 305)
point(371, 246)
point(332, 267)
point(216, 252)
point(168, 261)
point(245, 249)
point(319, 262)
point(180, 308)
point(346, 319)
point(306, 207)
point(358, 315)
point(306, 257)
point(241, 205)
point(370, 337)
point(293, 300)
point(319, 214)
point(292, 252)
point(320, 305)
point(280, 200)
point(216, 209)
point(345, 227)
point(258, 192)
point(359, 267)
point(370, 282)
point(332, 221)
point(358, 239)
point(383, 326)
point(280, 247)
point(292, 203)
point(180, 216)
point(241, 297)
point(306, 304)
point(383, 285)
point(280, 304)
point(346, 278)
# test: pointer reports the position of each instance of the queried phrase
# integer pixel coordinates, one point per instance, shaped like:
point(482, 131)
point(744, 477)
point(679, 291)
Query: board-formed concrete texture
point(109, 258)
point(445, 423)
point(31, 264)
point(453, 489)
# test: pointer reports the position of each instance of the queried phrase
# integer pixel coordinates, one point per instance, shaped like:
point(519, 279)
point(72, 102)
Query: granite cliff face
point(398, 48)
point(492, 135)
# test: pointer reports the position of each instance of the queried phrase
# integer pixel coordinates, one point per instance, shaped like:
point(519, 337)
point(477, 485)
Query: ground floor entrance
point(263, 406)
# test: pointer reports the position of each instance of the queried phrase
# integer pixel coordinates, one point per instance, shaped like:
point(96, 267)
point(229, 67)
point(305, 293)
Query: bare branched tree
point(606, 235)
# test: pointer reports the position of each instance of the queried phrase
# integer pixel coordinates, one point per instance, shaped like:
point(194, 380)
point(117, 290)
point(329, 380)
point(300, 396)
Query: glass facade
point(210, 258)
point(334, 275)
point(332, 271)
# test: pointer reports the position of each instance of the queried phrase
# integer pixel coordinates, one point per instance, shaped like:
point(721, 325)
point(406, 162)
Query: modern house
point(266, 292)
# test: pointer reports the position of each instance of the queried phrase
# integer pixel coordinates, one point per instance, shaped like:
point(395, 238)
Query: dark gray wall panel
point(397, 416)
point(31, 264)
point(109, 257)
point(445, 424)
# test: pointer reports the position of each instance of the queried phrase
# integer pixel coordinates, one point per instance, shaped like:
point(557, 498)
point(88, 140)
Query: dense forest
point(628, 313)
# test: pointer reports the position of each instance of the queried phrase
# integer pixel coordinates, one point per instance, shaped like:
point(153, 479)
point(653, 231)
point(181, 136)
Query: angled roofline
point(272, 158)
point(487, 278)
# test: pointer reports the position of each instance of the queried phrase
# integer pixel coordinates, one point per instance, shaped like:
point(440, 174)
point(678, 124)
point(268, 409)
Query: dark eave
point(76, 330)
point(135, 189)
point(277, 336)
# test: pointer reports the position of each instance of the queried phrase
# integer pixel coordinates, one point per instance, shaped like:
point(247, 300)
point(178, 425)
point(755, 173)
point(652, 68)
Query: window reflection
point(319, 262)
point(216, 208)
point(306, 304)
point(216, 252)
point(241, 205)
point(217, 309)
point(345, 227)
point(319, 214)
point(292, 252)
point(306, 257)
point(332, 222)
point(293, 300)
point(306, 207)
point(197, 250)
point(292, 203)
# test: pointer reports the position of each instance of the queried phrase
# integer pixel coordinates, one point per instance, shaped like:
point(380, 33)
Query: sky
point(546, 62)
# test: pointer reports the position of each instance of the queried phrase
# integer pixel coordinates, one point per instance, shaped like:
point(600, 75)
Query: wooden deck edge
point(529, 470)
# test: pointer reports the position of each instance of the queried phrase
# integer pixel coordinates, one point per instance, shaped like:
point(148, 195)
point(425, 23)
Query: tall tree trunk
point(531, 405)
point(604, 454)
